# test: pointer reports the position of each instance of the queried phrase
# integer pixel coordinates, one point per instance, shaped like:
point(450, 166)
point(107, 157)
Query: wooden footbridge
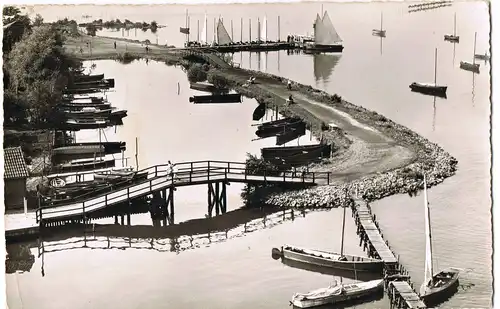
point(161, 184)
point(400, 289)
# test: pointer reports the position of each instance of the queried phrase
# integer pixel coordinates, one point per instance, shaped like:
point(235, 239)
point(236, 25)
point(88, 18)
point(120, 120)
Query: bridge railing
point(160, 176)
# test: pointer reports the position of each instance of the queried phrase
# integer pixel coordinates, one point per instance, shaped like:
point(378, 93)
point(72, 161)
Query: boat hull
point(452, 38)
point(323, 48)
point(380, 33)
point(360, 264)
point(435, 296)
point(439, 91)
point(224, 98)
point(259, 112)
point(368, 289)
point(473, 67)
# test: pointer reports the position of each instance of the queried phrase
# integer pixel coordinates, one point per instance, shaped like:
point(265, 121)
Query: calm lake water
point(239, 272)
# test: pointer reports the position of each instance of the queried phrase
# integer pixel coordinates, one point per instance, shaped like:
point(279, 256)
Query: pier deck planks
point(366, 220)
point(410, 297)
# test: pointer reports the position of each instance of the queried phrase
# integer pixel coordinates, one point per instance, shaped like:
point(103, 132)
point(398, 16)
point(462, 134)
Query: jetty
point(401, 293)
point(161, 183)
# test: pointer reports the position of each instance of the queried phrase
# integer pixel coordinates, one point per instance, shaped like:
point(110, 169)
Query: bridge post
point(171, 218)
point(217, 199)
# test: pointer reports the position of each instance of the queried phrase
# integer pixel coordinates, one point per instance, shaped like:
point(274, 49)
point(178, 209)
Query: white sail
point(428, 239)
point(263, 35)
point(222, 35)
point(317, 25)
point(204, 31)
point(326, 33)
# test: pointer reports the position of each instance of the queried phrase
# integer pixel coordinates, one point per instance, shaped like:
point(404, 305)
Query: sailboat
point(204, 32)
point(332, 260)
point(453, 38)
point(263, 35)
point(336, 293)
point(430, 88)
point(326, 38)
point(474, 67)
point(223, 37)
point(484, 56)
point(440, 286)
point(380, 32)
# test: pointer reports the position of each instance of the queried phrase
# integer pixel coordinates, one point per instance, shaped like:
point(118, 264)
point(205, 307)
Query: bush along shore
point(431, 159)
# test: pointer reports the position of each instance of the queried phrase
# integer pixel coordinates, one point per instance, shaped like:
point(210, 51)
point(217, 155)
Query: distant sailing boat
point(453, 38)
point(436, 287)
point(263, 35)
point(474, 67)
point(484, 57)
point(430, 88)
point(223, 37)
point(326, 38)
point(380, 32)
point(204, 32)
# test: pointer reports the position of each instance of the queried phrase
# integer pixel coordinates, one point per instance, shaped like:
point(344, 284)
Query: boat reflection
point(324, 64)
point(358, 276)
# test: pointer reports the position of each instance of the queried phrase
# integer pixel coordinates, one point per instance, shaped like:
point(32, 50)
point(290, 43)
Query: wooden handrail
point(190, 173)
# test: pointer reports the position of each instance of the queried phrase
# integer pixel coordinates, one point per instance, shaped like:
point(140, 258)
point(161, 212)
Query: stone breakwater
point(431, 159)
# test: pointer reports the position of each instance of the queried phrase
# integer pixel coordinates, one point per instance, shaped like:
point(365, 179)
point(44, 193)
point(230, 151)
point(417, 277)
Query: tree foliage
point(196, 73)
point(36, 72)
point(15, 26)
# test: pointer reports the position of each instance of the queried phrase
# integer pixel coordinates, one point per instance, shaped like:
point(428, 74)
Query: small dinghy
point(440, 286)
point(336, 293)
point(430, 88)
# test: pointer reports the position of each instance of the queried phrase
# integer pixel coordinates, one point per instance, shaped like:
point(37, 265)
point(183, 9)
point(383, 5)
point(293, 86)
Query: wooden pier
point(160, 184)
point(401, 293)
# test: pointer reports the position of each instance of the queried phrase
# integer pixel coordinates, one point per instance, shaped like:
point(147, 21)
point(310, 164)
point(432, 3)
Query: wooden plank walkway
point(185, 174)
point(366, 219)
point(406, 293)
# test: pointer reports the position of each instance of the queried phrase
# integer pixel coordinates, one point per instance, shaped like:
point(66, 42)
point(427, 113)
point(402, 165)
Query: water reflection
point(473, 88)
point(176, 238)
point(324, 65)
point(434, 115)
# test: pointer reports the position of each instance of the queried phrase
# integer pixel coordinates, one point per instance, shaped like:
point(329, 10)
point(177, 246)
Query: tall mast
point(198, 32)
point(474, 52)
point(435, 66)
point(250, 30)
point(232, 37)
point(241, 30)
point(455, 25)
point(381, 19)
point(342, 239)
point(428, 243)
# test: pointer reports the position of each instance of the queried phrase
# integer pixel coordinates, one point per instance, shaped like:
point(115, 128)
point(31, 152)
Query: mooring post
point(209, 200)
point(217, 199)
point(122, 219)
point(116, 219)
point(224, 198)
point(172, 209)
point(129, 210)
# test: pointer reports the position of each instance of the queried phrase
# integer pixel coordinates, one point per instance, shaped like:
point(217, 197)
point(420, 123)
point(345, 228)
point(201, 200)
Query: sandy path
point(370, 152)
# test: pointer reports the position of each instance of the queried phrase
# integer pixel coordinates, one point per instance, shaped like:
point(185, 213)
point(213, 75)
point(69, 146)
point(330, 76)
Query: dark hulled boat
point(332, 260)
point(88, 78)
point(88, 112)
point(454, 38)
point(80, 106)
point(259, 112)
point(109, 147)
point(267, 131)
point(83, 124)
point(216, 98)
point(82, 91)
point(430, 89)
point(283, 121)
point(436, 288)
point(282, 152)
point(84, 165)
point(290, 135)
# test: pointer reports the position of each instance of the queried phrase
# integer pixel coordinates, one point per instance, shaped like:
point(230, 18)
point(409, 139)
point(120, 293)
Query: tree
point(38, 21)
point(15, 26)
point(38, 70)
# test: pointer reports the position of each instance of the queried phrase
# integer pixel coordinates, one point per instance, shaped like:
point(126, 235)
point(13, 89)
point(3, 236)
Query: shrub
point(196, 73)
point(219, 81)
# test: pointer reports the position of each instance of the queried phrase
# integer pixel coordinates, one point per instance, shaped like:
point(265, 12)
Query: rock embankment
point(430, 159)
